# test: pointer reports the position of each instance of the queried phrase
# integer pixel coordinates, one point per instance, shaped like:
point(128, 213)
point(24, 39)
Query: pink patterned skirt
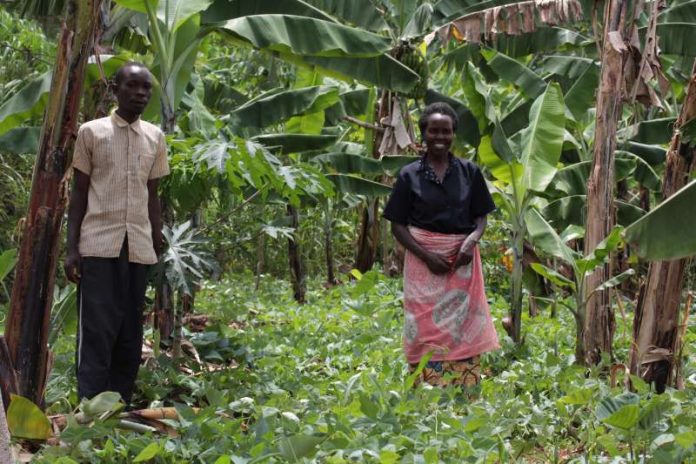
point(447, 314)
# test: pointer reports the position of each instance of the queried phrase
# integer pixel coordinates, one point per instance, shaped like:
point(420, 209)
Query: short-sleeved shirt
point(449, 207)
point(119, 159)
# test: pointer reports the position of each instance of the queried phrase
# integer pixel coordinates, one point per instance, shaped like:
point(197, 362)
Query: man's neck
point(127, 116)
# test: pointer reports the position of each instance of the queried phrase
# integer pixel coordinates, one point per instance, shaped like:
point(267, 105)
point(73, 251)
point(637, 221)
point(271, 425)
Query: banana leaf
point(667, 232)
point(294, 143)
point(655, 131)
point(273, 107)
point(511, 70)
point(29, 102)
point(224, 10)
point(359, 13)
point(20, 140)
point(306, 36)
point(675, 38)
point(358, 186)
point(542, 150)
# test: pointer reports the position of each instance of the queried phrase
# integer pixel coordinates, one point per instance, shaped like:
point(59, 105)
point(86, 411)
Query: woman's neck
point(437, 159)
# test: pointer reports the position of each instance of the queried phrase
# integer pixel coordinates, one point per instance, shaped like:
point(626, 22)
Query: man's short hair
point(437, 108)
point(118, 76)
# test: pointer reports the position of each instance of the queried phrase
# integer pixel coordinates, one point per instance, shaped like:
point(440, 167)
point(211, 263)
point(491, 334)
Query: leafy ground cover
point(326, 382)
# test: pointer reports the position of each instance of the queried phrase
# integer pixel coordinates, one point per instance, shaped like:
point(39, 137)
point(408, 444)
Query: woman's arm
point(436, 262)
point(466, 252)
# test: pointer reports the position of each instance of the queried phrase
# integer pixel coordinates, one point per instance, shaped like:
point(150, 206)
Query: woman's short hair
point(437, 108)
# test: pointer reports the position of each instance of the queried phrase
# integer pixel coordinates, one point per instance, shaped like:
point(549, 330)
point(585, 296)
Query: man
point(114, 233)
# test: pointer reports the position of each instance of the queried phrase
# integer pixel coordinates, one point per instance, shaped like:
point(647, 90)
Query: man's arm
point(76, 213)
point(154, 211)
point(436, 262)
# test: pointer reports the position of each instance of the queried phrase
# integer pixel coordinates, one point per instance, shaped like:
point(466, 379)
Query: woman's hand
point(466, 254)
point(437, 263)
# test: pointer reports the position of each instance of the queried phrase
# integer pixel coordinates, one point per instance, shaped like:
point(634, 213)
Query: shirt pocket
point(145, 163)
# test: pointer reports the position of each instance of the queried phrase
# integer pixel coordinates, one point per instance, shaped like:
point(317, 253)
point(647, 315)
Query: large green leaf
point(652, 154)
point(294, 143)
point(296, 447)
point(581, 95)
point(674, 38)
point(420, 22)
point(29, 102)
point(381, 71)
point(306, 36)
point(359, 13)
point(544, 39)
point(26, 420)
point(545, 237)
point(684, 12)
point(622, 411)
point(8, 258)
point(667, 232)
point(655, 131)
point(568, 66)
point(274, 107)
point(544, 140)
point(345, 163)
point(174, 13)
point(358, 186)
point(506, 172)
point(224, 10)
point(20, 140)
point(140, 6)
point(511, 70)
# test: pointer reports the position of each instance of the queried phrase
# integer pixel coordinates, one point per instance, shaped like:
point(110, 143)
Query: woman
point(438, 211)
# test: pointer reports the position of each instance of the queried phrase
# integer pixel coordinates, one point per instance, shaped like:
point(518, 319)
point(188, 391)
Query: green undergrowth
point(327, 382)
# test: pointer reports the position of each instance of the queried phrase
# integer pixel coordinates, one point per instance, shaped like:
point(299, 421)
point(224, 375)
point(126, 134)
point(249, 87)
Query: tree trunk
point(599, 318)
point(164, 293)
point(299, 282)
point(518, 233)
point(328, 245)
point(5, 451)
point(656, 323)
point(260, 258)
point(26, 330)
point(368, 240)
point(8, 376)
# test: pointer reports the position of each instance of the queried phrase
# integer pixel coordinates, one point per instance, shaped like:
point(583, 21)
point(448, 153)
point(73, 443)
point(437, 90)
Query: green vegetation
point(276, 377)
point(286, 121)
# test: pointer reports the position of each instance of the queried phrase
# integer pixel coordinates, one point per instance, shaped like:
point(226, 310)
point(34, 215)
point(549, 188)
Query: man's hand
point(72, 266)
point(437, 263)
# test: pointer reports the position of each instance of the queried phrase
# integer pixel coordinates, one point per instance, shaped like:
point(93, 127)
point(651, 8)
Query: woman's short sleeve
point(398, 207)
point(481, 199)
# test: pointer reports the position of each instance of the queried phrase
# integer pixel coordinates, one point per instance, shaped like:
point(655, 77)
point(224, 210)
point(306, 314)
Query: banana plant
point(522, 166)
point(545, 238)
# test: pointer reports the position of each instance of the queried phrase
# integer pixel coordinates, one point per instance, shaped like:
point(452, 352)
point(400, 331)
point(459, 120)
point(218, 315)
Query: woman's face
point(438, 134)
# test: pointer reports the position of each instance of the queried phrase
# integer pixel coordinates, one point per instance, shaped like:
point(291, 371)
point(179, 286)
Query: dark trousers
point(110, 302)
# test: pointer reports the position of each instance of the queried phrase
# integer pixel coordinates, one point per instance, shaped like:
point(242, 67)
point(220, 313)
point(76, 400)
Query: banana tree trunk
point(518, 233)
point(328, 245)
point(368, 240)
point(26, 330)
point(297, 275)
point(599, 320)
point(656, 323)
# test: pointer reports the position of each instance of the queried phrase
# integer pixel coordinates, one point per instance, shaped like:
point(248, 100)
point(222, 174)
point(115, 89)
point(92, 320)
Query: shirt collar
point(120, 122)
point(424, 166)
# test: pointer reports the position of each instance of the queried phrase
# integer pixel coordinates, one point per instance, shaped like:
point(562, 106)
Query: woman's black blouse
point(420, 200)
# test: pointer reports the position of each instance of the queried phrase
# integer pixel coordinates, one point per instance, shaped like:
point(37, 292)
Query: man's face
point(134, 89)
